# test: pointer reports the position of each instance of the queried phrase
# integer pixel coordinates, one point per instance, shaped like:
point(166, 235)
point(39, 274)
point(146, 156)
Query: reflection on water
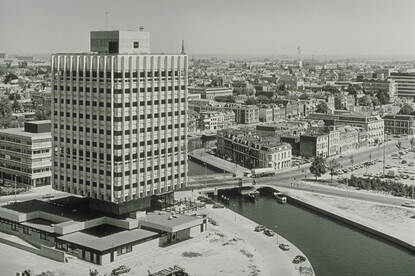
point(333, 248)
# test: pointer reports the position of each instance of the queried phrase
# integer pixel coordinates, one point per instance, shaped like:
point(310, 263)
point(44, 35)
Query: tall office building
point(119, 119)
point(405, 84)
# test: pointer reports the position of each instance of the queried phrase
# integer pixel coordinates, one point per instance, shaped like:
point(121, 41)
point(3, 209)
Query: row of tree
point(377, 184)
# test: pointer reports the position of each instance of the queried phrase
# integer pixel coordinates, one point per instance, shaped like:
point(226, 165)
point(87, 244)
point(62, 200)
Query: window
point(136, 44)
point(43, 235)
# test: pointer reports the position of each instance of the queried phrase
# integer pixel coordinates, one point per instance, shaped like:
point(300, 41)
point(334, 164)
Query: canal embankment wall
point(361, 225)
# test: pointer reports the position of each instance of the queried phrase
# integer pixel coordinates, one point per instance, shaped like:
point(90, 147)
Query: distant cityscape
point(120, 153)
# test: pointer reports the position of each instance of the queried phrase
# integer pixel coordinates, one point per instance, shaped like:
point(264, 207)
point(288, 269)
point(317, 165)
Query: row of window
point(119, 91)
point(119, 174)
point(118, 105)
point(26, 229)
point(117, 158)
point(118, 188)
point(95, 74)
point(127, 145)
point(120, 132)
point(116, 119)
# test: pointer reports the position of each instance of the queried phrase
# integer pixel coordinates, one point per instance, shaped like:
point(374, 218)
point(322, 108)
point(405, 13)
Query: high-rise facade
point(119, 118)
point(405, 84)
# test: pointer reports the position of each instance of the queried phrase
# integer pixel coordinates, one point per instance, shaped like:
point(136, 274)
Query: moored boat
point(280, 197)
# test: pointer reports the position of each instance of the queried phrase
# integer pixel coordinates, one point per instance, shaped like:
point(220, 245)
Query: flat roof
point(20, 132)
point(70, 208)
point(109, 241)
point(167, 222)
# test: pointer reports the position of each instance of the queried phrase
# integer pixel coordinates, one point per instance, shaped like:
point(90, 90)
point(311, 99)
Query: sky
point(254, 27)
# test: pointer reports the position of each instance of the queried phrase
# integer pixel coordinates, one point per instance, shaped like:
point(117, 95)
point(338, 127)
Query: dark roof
point(73, 208)
point(109, 241)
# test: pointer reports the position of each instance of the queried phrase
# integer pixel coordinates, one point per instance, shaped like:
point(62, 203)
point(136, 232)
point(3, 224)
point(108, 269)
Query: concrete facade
point(120, 124)
point(25, 155)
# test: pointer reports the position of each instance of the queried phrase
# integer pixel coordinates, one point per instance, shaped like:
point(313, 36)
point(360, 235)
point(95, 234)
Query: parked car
point(284, 246)
point(259, 228)
point(408, 204)
point(299, 259)
point(120, 270)
point(269, 232)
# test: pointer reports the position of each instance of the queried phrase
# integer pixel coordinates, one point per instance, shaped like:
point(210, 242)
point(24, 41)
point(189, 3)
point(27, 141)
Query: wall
point(32, 238)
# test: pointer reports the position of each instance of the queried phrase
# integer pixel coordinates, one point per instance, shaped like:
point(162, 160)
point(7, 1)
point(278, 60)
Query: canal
point(334, 248)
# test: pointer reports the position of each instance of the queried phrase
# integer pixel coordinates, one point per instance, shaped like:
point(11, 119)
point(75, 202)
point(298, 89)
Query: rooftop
point(20, 132)
point(107, 242)
point(168, 223)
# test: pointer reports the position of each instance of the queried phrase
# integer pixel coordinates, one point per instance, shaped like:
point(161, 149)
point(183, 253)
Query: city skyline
point(343, 28)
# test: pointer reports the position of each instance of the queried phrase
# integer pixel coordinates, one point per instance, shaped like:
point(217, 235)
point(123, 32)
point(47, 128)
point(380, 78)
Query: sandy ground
point(230, 248)
point(393, 220)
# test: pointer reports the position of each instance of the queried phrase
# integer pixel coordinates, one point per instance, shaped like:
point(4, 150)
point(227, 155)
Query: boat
point(280, 197)
point(250, 197)
point(225, 198)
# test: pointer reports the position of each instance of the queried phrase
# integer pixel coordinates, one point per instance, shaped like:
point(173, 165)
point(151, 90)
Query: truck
point(260, 172)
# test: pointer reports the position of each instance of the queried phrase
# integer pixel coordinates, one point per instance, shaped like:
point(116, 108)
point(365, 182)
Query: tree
point(376, 101)
point(10, 77)
point(399, 147)
point(332, 166)
point(365, 100)
point(16, 106)
point(304, 96)
point(250, 101)
point(43, 113)
point(318, 166)
point(262, 99)
point(383, 97)
point(322, 108)
point(5, 110)
point(337, 102)
point(406, 109)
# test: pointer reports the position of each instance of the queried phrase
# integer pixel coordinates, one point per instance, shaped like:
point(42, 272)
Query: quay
point(199, 155)
point(407, 243)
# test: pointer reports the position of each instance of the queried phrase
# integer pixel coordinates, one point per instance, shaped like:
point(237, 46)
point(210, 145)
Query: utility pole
point(15, 188)
point(384, 149)
point(106, 20)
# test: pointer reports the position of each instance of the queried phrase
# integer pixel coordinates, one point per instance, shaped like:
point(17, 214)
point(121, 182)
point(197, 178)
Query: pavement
point(217, 162)
point(291, 178)
point(393, 221)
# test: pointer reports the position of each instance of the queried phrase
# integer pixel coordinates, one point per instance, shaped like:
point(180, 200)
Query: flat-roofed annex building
point(25, 154)
point(119, 119)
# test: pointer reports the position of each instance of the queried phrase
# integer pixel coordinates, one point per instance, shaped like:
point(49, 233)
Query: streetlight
point(276, 233)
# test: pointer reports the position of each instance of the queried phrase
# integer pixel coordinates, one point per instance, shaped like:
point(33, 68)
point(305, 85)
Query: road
point(289, 178)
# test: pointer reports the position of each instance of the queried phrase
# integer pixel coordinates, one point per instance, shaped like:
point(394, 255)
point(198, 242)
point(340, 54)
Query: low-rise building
point(251, 150)
point(211, 93)
point(373, 86)
point(399, 124)
point(25, 154)
point(211, 120)
point(348, 139)
point(246, 114)
point(372, 124)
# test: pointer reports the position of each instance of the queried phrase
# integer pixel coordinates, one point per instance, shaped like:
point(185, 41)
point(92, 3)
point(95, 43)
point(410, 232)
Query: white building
point(119, 119)
point(25, 154)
